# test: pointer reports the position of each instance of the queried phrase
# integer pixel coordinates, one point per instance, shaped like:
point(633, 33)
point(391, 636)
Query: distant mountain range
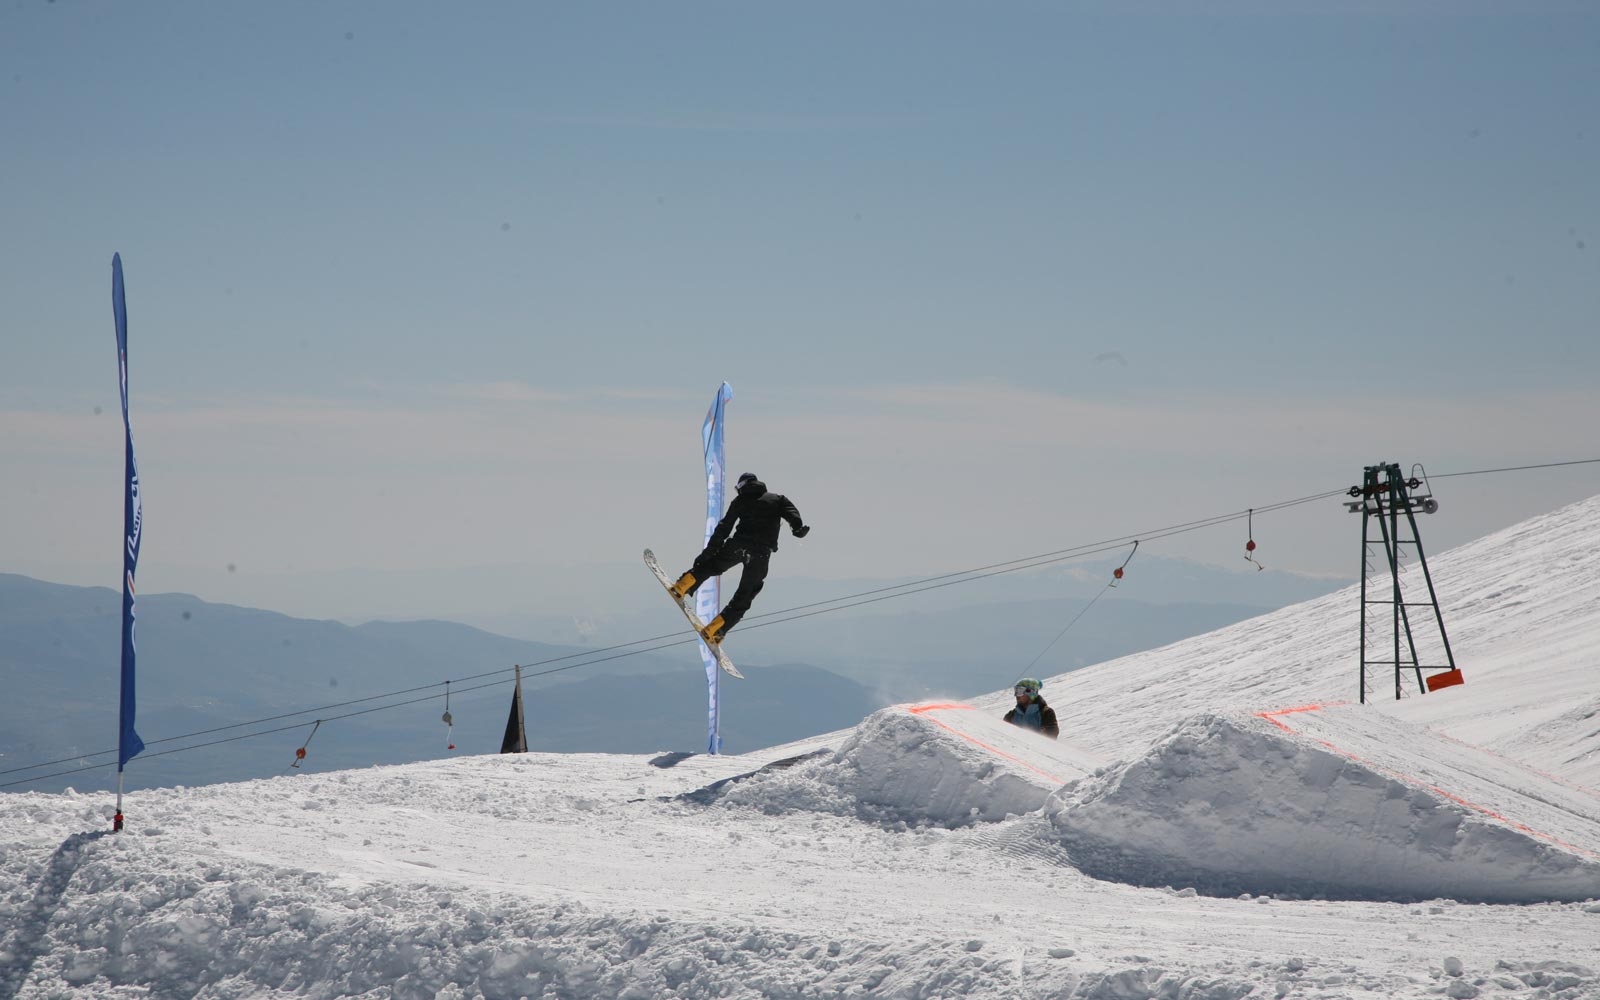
point(379, 687)
point(206, 666)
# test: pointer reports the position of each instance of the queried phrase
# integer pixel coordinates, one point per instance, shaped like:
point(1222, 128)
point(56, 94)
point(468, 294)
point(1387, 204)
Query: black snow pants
point(756, 559)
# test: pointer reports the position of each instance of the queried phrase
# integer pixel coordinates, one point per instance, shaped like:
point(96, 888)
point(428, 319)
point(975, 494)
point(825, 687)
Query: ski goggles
point(1024, 690)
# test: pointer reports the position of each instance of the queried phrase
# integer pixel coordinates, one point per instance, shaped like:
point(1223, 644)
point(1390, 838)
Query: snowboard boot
point(714, 632)
point(684, 587)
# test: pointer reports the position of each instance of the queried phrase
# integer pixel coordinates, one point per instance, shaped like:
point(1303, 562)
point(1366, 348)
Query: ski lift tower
point(1387, 503)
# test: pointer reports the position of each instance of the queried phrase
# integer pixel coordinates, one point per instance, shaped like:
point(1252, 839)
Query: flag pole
point(128, 742)
point(707, 599)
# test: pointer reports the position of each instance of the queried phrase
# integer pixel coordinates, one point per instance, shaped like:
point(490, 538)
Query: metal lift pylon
point(1389, 501)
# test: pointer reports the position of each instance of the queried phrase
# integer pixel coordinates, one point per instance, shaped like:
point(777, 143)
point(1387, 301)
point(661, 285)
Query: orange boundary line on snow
point(1558, 779)
point(920, 709)
point(1271, 716)
point(1410, 780)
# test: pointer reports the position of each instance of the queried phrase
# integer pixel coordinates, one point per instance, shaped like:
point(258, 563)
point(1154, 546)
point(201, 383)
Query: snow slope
point(1373, 809)
point(1220, 820)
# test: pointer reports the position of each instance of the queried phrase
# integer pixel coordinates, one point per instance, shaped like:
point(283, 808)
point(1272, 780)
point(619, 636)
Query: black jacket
point(758, 513)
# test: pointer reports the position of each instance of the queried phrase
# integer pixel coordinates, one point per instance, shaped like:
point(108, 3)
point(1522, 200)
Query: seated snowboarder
point(1031, 711)
point(756, 511)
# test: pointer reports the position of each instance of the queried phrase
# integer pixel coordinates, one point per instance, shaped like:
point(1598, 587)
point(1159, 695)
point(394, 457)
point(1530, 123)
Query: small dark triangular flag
point(516, 738)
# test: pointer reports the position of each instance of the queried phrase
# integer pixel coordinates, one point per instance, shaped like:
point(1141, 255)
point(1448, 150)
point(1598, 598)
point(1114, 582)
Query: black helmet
point(747, 478)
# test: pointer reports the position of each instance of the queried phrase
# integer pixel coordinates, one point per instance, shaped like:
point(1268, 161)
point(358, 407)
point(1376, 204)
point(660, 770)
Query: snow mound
point(1263, 803)
point(199, 928)
point(941, 764)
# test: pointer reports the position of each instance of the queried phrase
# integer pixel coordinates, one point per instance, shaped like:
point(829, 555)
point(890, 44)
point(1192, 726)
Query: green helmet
point(1029, 686)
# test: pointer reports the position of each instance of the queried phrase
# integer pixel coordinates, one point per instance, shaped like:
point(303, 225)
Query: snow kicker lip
point(901, 767)
point(714, 791)
point(937, 764)
point(1229, 804)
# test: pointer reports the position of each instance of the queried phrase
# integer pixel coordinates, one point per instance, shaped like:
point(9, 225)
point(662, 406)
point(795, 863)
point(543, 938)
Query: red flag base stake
point(116, 822)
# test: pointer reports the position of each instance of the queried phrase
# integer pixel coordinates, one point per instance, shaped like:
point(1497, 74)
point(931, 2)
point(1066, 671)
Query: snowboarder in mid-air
point(753, 521)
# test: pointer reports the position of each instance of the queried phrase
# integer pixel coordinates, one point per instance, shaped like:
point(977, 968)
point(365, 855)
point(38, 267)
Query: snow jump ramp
point(1339, 802)
point(1331, 801)
point(940, 764)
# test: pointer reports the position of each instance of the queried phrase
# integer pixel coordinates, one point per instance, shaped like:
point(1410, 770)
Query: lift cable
point(771, 618)
point(591, 657)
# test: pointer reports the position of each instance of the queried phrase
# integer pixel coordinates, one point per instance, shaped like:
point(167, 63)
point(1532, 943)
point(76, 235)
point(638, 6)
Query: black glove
point(802, 531)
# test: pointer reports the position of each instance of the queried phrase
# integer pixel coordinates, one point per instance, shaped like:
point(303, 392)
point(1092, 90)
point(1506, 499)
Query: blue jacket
point(1037, 715)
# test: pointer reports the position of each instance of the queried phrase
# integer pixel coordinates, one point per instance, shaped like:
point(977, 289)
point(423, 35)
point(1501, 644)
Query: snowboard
point(688, 612)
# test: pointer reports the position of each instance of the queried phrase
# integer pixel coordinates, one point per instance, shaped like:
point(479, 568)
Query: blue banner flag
point(709, 597)
point(128, 742)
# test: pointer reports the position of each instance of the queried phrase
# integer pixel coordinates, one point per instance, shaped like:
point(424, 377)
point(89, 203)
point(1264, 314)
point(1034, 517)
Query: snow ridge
point(1233, 804)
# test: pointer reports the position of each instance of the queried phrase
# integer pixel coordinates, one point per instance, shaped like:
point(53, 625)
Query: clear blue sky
point(423, 288)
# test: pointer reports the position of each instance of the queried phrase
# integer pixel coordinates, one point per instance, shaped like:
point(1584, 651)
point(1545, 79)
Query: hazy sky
point(433, 288)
